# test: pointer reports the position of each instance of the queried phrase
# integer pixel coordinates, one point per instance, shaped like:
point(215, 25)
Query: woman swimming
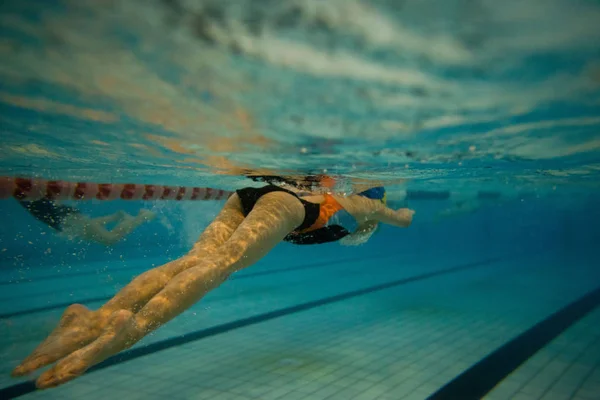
point(72, 223)
point(250, 224)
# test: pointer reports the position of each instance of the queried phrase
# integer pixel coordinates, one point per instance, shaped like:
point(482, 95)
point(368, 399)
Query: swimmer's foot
point(115, 337)
point(78, 326)
point(146, 215)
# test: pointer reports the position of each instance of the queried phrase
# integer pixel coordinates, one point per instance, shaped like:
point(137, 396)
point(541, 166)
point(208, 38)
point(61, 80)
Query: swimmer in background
point(72, 223)
point(458, 209)
point(252, 222)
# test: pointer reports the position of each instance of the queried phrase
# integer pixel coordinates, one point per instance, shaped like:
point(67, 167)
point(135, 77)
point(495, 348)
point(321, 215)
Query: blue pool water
point(481, 117)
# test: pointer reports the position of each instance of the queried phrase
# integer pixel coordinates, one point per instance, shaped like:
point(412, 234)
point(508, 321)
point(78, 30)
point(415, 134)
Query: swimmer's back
point(48, 212)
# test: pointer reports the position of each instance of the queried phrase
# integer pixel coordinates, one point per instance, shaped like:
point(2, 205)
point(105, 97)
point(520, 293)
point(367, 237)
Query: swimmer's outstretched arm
point(161, 294)
point(364, 209)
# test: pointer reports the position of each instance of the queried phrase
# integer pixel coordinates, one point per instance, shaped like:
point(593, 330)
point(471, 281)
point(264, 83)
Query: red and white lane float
point(34, 189)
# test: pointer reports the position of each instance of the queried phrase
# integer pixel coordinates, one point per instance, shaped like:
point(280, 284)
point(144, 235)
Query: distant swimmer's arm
point(364, 209)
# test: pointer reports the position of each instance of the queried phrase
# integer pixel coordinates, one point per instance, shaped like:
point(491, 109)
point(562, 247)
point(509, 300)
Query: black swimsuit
point(249, 196)
point(49, 212)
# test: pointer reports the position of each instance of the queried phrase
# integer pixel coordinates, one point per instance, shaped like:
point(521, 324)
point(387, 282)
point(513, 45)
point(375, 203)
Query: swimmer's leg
point(94, 230)
point(107, 219)
point(273, 217)
point(79, 326)
point(137, 293)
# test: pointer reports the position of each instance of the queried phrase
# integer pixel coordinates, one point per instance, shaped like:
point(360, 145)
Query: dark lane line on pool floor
point(24, 388)
point(128, 278)
point(89, 300)
point(58, 276)
point(487, 373)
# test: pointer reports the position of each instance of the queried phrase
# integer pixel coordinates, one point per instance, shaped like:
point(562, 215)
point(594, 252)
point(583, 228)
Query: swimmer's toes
point(38, 359)
point(111, 341)
point(54, 377)
point(64, 371)
point(31, 365)
point(75, 330)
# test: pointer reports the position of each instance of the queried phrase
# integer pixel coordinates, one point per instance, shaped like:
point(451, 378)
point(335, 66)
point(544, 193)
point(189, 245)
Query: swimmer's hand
point(362, 234)
point(406, 214)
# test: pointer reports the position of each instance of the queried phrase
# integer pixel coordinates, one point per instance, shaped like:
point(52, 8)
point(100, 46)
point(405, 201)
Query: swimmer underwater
point(252, 222)
point(72, 223)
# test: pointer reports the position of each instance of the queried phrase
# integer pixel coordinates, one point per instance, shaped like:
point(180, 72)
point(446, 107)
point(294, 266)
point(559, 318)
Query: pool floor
point(387, 327)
